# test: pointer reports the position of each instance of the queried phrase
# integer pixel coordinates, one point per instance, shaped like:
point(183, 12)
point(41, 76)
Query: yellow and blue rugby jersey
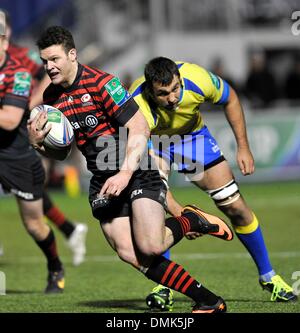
point(198, 86)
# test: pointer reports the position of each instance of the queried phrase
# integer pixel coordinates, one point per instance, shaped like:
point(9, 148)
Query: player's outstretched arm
point(235, 116)
point(138, 135)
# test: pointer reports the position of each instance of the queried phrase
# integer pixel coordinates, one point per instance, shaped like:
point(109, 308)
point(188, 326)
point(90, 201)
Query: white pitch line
point(182, 256)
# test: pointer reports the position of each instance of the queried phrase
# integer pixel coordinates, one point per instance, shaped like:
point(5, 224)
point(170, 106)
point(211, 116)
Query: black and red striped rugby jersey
point(29, 59)
point(15, 89)
point(97, 105)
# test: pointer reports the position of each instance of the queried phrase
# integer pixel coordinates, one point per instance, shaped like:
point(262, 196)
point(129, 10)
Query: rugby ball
point(58, 141)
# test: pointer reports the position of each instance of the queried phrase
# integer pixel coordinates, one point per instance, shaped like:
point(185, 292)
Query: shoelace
point(279, 285)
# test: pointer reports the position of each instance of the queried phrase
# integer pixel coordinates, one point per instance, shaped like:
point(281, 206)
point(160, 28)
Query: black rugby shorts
point(23, 178)
point(143, 184)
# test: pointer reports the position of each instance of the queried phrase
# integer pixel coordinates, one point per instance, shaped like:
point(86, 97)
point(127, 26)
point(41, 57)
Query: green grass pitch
point(104, 284)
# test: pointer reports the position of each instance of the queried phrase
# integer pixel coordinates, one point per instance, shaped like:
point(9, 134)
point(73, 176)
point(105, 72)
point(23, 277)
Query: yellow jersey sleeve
point(207, 84)
point(136, 90)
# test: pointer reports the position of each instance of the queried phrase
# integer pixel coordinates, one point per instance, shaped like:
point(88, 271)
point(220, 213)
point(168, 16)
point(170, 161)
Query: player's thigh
point(31, 211)
point(32, 217)
point(215, 177)
point(118, 233)
point(148, 224)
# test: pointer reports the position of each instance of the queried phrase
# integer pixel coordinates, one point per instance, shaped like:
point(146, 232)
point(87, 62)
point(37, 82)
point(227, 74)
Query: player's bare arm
point(10, 117)
point(138, 136)
point(235, 116)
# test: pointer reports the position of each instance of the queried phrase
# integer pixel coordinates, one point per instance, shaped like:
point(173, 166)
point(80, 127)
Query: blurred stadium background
point(254, 44)
point(250, 43)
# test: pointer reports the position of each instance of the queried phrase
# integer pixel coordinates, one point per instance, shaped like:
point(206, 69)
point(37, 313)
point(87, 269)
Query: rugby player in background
point(170, 95)
point(21, 170)
point(75, 233)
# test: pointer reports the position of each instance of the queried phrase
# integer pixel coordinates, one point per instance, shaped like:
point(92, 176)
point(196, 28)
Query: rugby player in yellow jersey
point(169, 95)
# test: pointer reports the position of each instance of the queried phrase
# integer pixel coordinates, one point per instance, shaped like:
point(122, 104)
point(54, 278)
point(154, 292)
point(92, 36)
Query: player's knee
point(233, 211)
point(225, 195)
point(238, 213)
point(126, 255)
point(34, 227)
point(151, 248)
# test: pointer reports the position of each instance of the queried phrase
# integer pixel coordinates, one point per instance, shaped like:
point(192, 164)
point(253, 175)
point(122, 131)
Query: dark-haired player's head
point(58, 53)
point(163, 83)
point(56, 35)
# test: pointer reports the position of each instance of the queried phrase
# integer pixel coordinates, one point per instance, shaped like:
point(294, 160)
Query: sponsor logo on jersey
point(75, 124)
point(70, 99)
point(22, 82)
point(91, 121)
point(85, 98)
point(117, 92)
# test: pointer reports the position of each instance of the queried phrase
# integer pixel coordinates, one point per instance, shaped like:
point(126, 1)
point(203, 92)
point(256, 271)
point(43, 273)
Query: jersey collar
point(181, 92)
point(77, 78)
